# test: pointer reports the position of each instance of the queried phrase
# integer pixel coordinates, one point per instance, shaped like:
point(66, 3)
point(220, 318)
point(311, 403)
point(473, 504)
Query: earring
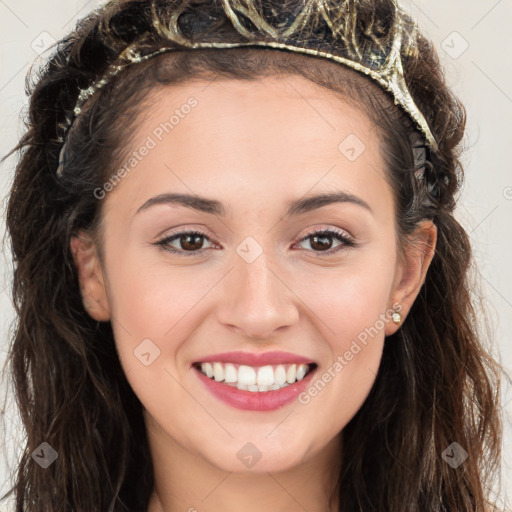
point(397, 318)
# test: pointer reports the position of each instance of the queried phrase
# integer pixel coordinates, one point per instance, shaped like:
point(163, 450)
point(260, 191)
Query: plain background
point(473, 40)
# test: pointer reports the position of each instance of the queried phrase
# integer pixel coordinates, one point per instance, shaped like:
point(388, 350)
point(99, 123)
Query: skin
point(254, 146)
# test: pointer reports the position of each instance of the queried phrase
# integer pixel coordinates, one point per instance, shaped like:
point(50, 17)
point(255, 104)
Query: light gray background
point(474, 45)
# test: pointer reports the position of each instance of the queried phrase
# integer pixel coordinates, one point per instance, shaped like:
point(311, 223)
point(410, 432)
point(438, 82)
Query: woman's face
point(256, 281)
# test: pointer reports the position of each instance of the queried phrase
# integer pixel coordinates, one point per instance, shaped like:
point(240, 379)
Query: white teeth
point(301, 371)
point(207, 369)
point(279, 375)
point(246, 375)
point(230, 373)
point(265, 376)
point(218, 372)
point(248, 378)
point(291, 374)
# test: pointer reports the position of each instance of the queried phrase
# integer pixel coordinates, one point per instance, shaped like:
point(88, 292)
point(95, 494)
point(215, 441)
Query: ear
point(411, 271)
point(90, 276)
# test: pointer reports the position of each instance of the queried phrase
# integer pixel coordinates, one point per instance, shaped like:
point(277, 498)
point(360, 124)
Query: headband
point(374, 47)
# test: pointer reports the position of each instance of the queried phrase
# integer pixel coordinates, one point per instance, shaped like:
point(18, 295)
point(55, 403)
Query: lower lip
point(256, 400)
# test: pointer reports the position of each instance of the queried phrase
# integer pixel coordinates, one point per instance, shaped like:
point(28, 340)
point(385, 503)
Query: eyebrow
point(214, 207)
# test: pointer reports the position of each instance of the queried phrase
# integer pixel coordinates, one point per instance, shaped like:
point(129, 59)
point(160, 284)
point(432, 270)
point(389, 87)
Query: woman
point(239, 281)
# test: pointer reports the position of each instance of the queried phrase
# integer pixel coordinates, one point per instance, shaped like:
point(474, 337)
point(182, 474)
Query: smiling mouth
point(252, 378)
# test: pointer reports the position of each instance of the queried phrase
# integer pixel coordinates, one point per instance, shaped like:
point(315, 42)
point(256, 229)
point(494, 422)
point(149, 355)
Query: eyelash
point(347, 242)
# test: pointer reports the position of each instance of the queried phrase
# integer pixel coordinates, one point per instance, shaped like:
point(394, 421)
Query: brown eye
point(190, 242)
point(322, 240)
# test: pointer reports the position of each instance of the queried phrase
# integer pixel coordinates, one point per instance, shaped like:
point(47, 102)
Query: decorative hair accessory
point(370, 44)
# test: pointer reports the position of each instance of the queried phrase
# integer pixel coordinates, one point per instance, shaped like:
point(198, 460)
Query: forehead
point(239, 138)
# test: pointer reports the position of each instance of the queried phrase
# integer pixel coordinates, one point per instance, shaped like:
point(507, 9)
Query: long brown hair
point(436, 385)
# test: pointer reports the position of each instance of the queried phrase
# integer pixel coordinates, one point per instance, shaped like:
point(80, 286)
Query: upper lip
point(256, 359)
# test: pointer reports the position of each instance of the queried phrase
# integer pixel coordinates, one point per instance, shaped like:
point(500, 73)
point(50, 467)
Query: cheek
point(350, 299)
point(352, 308)
point(147, 298)
point(157, 309)
point(156, 302)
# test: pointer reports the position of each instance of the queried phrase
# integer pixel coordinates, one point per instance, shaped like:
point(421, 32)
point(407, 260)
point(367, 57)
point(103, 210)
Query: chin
point(257, 456)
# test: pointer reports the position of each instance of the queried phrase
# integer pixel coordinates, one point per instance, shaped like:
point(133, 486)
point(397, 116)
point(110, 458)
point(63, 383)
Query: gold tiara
point(359, 39)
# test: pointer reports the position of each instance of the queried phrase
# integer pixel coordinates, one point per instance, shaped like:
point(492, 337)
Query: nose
point(256, 299)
